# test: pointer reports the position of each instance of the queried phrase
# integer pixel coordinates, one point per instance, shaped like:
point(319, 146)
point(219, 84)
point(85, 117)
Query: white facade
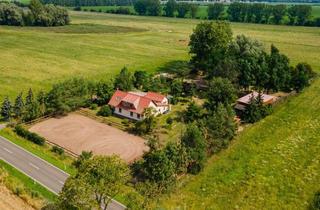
point(135, 116)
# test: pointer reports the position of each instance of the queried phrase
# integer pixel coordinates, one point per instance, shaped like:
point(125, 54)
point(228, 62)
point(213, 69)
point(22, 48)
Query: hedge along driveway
point(62, 162)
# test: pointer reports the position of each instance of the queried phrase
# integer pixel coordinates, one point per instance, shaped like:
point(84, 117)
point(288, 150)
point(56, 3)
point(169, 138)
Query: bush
point(24, 133)
point(57, 150)
point(17, 191)
point(77, 8)
point(169, 120)
point(93, 106)
point(10, 14)
point(105, 111)
point(315, 204)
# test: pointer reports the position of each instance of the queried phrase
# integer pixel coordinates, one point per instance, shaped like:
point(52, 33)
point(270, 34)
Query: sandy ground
point(8, 201)
point(79, 133)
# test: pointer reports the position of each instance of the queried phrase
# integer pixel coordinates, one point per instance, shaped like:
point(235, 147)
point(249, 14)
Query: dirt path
point(9, 201)
point(79, 133)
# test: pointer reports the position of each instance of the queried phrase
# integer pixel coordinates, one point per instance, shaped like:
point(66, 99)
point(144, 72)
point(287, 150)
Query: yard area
point(78, 133)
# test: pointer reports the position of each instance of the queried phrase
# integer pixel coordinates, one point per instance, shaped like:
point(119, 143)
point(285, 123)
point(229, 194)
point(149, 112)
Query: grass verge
point(63, 162)
point(23, 186)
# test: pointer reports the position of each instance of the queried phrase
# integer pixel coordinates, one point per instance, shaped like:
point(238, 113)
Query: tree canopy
point(209, 43)
point(97, 182)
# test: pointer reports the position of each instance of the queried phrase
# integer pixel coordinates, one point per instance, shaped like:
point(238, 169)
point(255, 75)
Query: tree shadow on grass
point(179, 67)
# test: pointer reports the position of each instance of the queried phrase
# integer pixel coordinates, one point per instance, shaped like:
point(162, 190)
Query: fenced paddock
point(78, 133)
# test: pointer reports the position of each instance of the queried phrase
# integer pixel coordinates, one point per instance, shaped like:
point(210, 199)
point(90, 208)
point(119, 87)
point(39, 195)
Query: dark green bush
point(93, 106)
point(169, 120)
point(57, 150)
point(77, 8)
point(105, 111)
point(24, 133)
point(315, 204)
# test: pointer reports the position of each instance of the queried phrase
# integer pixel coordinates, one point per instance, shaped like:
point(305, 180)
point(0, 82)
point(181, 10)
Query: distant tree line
point(77, 3)
point(37, 14)
point(266, 13)
point(235, 12)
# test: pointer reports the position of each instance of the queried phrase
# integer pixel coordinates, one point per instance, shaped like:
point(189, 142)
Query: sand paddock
point(78, 133)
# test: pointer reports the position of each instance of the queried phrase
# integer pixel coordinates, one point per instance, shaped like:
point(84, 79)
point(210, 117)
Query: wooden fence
point(102, 119)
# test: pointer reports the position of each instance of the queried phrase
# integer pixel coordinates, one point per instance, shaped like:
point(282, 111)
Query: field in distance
point(39, 57)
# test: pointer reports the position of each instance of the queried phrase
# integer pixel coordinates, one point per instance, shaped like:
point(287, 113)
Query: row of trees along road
point(37, 14)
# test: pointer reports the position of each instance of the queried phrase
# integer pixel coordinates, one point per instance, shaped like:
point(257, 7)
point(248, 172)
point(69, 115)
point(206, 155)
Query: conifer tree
point(6, 109)
point(29, 98)
point(18, 106)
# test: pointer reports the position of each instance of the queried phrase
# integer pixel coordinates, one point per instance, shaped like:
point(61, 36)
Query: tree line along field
point(201, 13)
point(272, 163)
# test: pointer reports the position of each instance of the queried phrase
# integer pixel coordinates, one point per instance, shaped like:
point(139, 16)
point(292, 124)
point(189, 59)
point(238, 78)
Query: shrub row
point(24, 133)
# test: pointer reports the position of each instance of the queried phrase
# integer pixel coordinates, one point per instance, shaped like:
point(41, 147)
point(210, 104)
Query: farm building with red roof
point(133, 104)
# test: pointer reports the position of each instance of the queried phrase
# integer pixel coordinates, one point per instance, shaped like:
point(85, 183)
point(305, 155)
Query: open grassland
point(37, 57)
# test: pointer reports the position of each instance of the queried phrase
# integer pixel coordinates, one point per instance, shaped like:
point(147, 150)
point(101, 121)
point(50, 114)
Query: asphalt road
point(39, 170)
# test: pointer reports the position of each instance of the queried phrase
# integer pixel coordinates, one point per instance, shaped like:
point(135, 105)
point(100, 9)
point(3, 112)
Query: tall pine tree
point(18, 106)
point(6, 109)
point(29, 98)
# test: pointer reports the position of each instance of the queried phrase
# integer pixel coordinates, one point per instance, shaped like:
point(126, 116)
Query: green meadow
point(38, 57)
point(274, 164)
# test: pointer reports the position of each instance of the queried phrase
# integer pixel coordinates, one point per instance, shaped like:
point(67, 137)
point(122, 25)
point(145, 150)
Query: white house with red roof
point(133, 104)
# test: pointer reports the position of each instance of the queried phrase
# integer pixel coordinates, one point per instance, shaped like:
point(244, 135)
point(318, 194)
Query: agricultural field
point(37, 58)
point(272, 164)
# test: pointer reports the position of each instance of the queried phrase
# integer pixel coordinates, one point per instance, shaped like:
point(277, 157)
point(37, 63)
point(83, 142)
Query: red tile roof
point(138, 101)
point(155, 96)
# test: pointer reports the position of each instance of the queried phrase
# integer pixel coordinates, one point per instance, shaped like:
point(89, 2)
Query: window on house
point(131, 114)
point(138, 115)
point(120, 110)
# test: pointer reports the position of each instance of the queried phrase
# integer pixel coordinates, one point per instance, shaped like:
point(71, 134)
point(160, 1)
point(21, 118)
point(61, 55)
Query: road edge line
point(40, 183)
point(35, 155)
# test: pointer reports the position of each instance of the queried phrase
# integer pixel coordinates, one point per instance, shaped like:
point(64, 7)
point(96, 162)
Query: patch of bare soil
point(9, 201)
point(78, 133)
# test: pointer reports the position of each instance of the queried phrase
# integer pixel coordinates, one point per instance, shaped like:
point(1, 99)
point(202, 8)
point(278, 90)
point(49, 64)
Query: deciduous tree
point(220, 91)
point(215, 11)
point(209, 43)
point(97, 182)
point(124, 80)
point(170, 8)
